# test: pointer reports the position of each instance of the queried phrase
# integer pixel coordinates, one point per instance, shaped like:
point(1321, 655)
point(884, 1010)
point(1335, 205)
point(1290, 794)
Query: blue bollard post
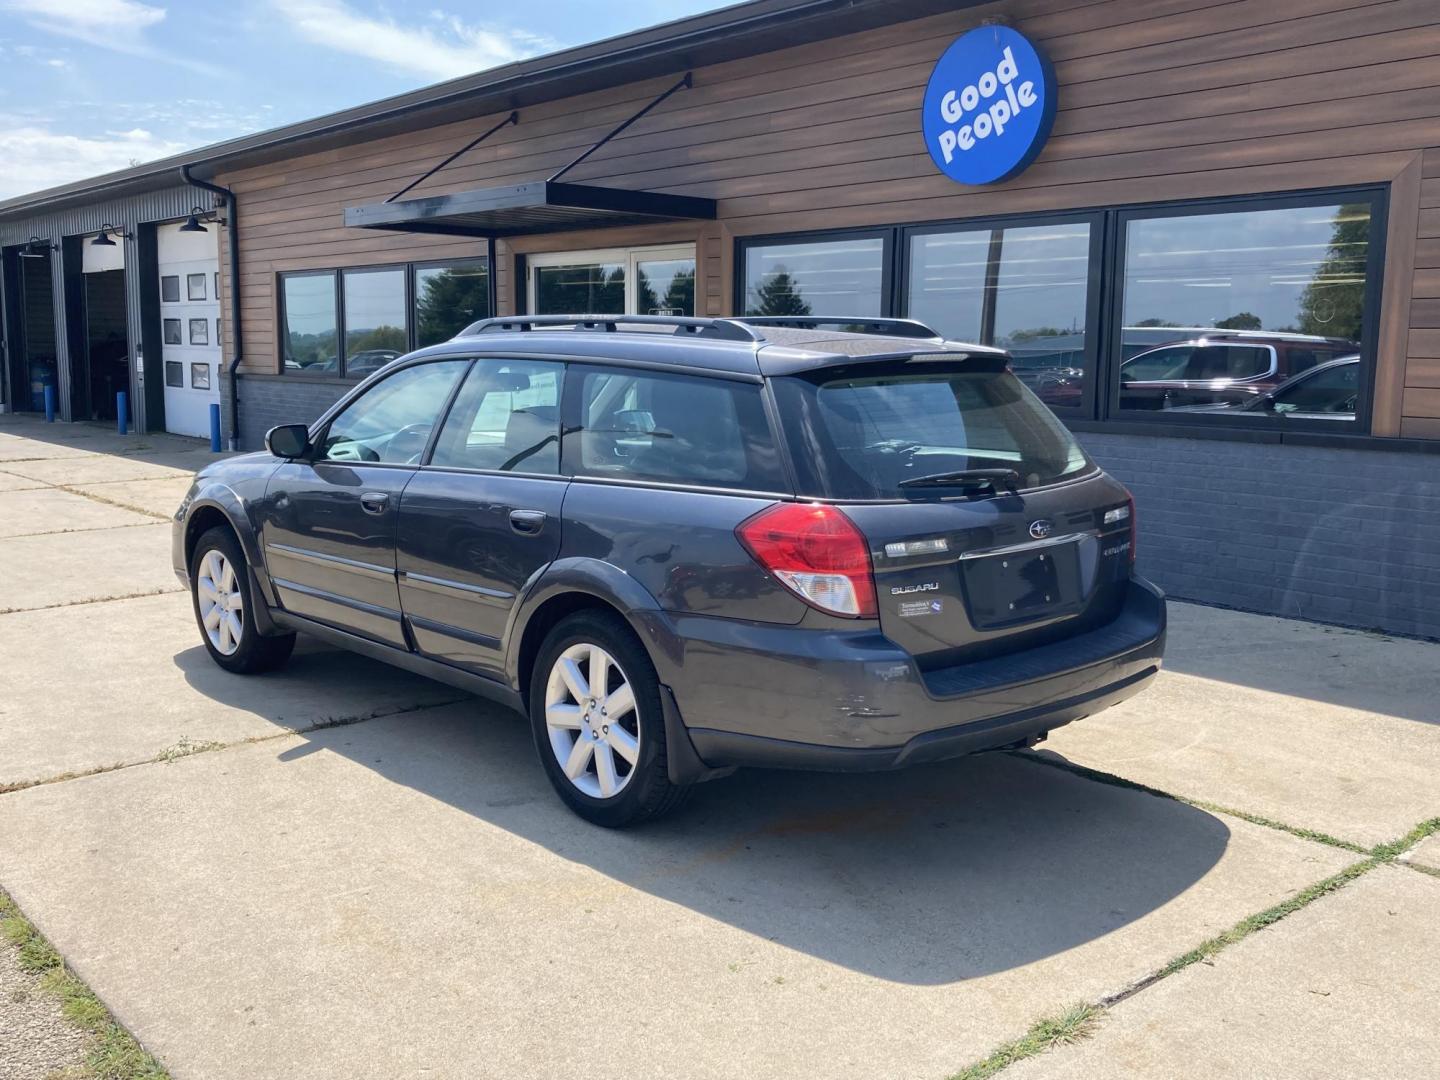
point(122, 412)
point(49, 404)
point(214, 427)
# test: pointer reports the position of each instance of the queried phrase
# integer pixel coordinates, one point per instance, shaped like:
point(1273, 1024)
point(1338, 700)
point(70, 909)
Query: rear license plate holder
point(1020, 586)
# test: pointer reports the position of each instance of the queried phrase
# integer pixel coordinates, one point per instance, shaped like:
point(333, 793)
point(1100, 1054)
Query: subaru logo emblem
point(1040, 529)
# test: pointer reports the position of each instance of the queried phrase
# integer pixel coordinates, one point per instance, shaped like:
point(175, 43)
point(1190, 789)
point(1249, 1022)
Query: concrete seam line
point(114, 1053)
point(93, 600)
point(91, 528)
point(1099, 777)
point(110, 502)
point(1028, 1046)
point(184, 748)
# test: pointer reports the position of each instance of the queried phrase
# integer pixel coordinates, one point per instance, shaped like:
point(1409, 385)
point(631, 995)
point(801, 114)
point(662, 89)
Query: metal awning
point(536, 207)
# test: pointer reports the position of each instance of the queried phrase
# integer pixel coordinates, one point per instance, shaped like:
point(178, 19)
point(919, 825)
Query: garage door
point(190, 327)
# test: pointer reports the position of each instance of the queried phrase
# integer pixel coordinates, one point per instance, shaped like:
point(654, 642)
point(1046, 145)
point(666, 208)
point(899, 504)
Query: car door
point(328, 523)
point(482, 518)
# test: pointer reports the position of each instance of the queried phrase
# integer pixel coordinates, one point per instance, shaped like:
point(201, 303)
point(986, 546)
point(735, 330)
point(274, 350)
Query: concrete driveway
point(340, 870)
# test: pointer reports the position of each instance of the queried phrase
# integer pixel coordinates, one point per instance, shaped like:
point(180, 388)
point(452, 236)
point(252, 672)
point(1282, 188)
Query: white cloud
point(455, 48)
point(99, 22)
point(38, 157)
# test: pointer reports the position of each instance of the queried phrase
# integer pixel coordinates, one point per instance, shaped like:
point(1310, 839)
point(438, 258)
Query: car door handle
point(527, 522)
point(374, 502)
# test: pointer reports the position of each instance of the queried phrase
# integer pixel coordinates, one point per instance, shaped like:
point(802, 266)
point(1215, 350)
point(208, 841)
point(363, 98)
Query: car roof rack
point(726, 329)
point(905, 328)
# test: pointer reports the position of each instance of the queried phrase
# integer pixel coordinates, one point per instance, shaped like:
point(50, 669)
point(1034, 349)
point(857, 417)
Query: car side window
point(391, 422)
point(672, 428)
point(506, 418)
point(1331, 390)
point(1169, 363)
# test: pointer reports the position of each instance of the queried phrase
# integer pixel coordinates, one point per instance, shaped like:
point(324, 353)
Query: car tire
point(589, 763)
point(220, 593)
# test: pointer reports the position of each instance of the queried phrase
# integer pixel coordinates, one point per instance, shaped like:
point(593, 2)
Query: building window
point(1222, 308)
point(353, 322)
point(199, 331)
point(448, 298)
point(195, 286)
point(200, 376)
point(1023, 288)
point(374, 316)
point(817, 277)
point(170, 289)
point(174, 373)
point(622, 281)
point(1229, 312)
point(172, 332)
point(310, 320)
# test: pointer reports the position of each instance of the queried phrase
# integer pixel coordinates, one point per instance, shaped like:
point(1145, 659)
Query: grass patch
point(1077, 1022)
point(1199, 804)
point(1387, 852)
point(113, 1053)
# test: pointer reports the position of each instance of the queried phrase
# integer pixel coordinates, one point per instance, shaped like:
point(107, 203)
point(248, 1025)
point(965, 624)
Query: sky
point(89, 86)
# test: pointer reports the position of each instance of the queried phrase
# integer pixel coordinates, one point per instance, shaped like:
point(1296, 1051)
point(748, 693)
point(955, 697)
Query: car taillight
point(816, 552)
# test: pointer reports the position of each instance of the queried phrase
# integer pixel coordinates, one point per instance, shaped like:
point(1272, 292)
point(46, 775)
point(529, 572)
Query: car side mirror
point(288, 440)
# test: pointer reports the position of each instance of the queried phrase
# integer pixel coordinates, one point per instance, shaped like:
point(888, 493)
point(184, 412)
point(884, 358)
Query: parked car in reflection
point(1221, 367)
point(1328, 391)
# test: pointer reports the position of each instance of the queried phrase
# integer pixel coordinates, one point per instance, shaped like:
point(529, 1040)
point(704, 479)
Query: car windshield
point(873, 434)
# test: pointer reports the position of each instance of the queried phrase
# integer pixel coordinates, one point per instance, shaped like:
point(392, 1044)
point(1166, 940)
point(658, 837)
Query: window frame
point(1094, 280)
point(412, 274)
point(408, 271)
point(282, 324)
point(1379, 198)
point(428, 460)
point(320, 429)
point(889, 235)
point(1099, 408)
point(630, 257)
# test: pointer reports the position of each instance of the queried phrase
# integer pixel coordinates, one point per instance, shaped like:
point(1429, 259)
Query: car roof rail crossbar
point(906, 328)
point(727, 329)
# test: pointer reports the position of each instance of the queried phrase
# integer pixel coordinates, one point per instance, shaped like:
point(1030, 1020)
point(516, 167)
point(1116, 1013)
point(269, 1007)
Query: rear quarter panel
point(680, 546)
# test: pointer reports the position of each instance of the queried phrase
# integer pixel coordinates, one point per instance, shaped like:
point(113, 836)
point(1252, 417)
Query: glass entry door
point(622, 281)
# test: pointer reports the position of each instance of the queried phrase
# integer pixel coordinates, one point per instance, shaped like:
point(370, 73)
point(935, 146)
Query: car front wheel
point(596, 715)
point(223, 603)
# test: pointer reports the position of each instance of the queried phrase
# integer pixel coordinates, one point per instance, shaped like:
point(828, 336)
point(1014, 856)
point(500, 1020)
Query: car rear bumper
point(852, 702)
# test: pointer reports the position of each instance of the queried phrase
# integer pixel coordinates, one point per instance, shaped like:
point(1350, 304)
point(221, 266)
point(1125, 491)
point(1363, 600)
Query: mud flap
point(682, 762)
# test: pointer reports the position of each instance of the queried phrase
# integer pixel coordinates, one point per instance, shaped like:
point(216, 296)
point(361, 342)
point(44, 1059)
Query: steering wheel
point(412, 438)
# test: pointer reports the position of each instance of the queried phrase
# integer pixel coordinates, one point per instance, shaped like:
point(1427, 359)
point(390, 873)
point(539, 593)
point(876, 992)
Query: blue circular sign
point(989, 106)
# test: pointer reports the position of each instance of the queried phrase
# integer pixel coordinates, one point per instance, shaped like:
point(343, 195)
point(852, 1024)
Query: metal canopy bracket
point(513, 118)
point(684, 84)
point(538, 206)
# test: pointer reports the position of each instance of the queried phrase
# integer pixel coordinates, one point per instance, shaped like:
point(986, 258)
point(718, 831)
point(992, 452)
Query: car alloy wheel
point(591, 720)
point(222, 602)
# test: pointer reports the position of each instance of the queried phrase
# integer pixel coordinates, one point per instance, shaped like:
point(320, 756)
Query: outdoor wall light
point(35, 248)
point(197, 214)
point(103, 240)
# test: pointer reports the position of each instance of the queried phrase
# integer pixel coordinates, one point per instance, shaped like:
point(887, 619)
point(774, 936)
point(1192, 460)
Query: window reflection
point(1221, 309)
point(840, 277)
point(374, 319)
point(580, 288)
point(448, 299)
point(1022, 289)
point(311, 322)
point(665, 287)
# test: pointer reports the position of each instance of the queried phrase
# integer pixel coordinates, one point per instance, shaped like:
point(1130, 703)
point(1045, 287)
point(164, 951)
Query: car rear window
point(861, 435)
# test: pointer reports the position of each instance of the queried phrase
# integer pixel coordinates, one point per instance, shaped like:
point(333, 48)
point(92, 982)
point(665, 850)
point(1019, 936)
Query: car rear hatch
point(989, 529)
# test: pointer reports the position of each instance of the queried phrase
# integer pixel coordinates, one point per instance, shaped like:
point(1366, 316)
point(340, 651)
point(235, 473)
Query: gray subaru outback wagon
point(685, 545)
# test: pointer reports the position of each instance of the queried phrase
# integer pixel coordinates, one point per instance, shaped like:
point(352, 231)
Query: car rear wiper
point(995, 478)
